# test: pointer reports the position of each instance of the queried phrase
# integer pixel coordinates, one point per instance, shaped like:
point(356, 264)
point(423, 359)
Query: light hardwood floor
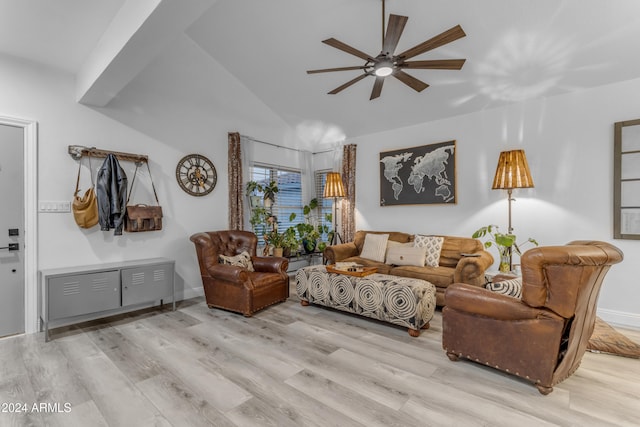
point(287, 366)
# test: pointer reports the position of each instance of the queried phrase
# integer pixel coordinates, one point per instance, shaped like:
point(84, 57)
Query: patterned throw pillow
point(241, 260)
point(433, 245)
point(375, 247)
point(512, 287)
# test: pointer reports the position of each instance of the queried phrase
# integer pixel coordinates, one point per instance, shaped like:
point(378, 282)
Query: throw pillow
point(403, 255)
point(512, 287)
point(241, 260)
point(394, 244)
point(434, 247)
point(375, 246)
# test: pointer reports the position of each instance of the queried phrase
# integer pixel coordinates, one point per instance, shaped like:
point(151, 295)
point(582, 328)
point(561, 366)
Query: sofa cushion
point(432, 245)
point(375, 247)
point(406, 255)
point(439, 276)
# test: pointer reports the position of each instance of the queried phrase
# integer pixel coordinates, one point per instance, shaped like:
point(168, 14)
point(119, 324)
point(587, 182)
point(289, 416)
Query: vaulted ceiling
point(515, 50)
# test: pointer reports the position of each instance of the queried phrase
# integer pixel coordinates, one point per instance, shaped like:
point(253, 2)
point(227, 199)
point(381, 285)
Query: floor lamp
point(512, 172)
point(334, 188)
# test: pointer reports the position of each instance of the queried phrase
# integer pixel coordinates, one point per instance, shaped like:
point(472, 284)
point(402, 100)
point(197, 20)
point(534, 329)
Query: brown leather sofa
point(235, 288)
point(453, 266)
point(543, 336)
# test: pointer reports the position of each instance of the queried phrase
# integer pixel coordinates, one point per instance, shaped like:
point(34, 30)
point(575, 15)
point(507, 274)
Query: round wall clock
point(196, 175)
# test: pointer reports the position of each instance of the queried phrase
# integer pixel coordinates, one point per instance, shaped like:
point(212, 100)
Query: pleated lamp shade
point(333, 187)
point(512, 171)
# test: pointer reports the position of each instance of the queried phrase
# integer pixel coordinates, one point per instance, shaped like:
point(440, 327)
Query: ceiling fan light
point(383, 70)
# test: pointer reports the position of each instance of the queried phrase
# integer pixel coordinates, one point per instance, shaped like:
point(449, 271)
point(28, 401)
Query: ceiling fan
point(387, 64)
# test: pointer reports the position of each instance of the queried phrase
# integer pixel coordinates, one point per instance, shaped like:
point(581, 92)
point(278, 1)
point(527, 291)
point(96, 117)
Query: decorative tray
point(358, 272)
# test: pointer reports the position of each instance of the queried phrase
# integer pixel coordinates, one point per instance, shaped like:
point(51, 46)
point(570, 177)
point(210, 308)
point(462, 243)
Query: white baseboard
point(189, 293)
point(620, 318)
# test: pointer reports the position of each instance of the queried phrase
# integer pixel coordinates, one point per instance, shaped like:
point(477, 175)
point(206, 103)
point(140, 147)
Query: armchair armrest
point(482, 302)
point(229, 273)
point(339, 252)
point(470, 269)
point(270, 264)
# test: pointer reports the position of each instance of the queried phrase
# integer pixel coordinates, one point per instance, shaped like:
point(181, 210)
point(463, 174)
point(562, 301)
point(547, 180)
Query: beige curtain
point(348, 218)
point(236, 190)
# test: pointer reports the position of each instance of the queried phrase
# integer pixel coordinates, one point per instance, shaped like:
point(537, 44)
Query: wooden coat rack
point(78, 151)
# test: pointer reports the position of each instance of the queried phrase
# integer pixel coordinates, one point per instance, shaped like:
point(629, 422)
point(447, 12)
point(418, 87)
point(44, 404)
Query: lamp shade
point(333, 187)
point(512, 171)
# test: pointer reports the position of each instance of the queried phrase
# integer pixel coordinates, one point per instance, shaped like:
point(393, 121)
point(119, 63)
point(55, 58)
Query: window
point(289, 196)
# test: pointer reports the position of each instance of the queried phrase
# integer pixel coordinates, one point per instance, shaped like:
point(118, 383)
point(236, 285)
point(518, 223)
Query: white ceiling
point(515, 50)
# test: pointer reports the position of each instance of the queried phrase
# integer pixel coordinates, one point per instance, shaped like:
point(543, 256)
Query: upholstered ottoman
point(402, 301)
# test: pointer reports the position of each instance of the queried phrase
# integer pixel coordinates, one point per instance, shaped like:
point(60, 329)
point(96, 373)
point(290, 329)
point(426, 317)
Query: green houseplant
point(252, 190)
point(269, 196)
point(504, 243)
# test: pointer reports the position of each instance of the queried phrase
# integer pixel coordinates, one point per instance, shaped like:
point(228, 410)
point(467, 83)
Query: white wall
point(568, 141)
point(144, 119)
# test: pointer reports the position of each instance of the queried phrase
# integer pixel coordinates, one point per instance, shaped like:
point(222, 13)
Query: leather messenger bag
point(142, 217)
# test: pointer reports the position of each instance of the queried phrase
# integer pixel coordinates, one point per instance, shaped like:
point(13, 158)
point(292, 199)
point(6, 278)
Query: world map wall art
point(421, 175)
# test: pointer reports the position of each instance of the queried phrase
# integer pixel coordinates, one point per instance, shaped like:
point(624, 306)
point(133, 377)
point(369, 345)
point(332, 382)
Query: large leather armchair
point(543, 336)
point(235, 288)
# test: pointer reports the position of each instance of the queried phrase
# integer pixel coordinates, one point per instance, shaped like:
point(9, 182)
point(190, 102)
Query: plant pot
point(505, 263)
point(278, 252)
point(309, 245)
point(255, 201)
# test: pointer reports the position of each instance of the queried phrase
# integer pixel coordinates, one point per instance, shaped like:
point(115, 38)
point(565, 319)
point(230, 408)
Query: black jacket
point(111, 192)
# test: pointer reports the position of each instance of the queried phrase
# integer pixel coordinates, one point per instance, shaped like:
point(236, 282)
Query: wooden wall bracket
point(78, 151)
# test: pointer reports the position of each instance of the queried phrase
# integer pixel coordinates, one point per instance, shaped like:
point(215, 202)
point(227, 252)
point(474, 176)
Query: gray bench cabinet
point(71, 294)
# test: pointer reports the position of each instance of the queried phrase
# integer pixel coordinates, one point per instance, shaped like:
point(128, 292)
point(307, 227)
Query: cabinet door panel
point(78, 294)
point(147, 283)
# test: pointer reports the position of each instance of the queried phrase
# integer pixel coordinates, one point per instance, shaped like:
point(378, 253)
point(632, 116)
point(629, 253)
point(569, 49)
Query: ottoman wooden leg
point(414, 332)
point(304, 303)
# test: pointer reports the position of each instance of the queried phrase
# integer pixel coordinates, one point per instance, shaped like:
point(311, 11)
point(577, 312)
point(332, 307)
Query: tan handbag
point(142, 217)
point(85, 208)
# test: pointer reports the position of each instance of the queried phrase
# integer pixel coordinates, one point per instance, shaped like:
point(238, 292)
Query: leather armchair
point(543, 336)
point(235, 288)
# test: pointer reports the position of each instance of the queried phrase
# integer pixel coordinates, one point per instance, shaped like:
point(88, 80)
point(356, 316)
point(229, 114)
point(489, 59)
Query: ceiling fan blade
point(327, 70)
point(346, 48)
point(435, 64)
point(395, 27)
point(377, 88)
point(410, 81)
point(441, 39)
point(347, 84)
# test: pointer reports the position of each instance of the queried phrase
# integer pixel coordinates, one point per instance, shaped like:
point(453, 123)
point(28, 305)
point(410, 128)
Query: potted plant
point(276, 239)
point(291, 243)
point(503, 242)
point(309, 232)
point(269, 196)
point(252, 189)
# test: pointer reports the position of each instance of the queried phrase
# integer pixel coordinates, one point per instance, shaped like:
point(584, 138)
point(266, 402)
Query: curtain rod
point(286, 148)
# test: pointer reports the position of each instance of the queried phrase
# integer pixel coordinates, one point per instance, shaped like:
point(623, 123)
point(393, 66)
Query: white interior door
point(12, 265)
